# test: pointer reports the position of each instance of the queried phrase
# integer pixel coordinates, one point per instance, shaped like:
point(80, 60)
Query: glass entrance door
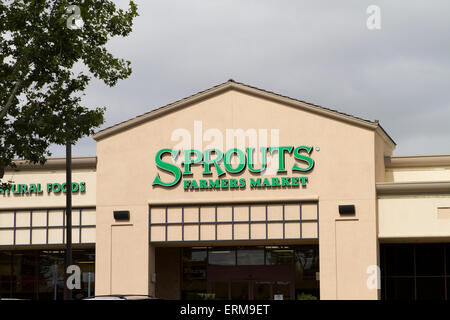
point(253, 273)
point(221, 290)
point(252, 290)
point(281, 290)
point(240, 290)
point(262, 290)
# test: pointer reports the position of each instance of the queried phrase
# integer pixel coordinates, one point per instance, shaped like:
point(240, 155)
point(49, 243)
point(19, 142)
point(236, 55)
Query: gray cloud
point(317, 51)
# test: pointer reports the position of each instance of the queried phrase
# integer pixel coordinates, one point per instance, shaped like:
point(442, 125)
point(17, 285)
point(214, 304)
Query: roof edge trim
point(55, 164)
point(403, 188)
point(418, 161)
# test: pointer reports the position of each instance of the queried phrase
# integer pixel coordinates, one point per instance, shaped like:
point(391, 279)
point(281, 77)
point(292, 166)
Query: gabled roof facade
point(233, 85)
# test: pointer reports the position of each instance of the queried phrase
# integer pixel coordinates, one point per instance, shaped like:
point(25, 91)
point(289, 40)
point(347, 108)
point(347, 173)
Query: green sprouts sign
point(215, 161)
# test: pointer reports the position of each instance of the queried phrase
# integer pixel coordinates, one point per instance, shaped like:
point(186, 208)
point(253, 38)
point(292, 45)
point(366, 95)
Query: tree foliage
point(40, 91)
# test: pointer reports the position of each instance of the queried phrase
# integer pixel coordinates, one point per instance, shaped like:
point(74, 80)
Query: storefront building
point(234, 193)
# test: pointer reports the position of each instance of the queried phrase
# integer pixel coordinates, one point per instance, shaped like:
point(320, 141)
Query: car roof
point(120, 297)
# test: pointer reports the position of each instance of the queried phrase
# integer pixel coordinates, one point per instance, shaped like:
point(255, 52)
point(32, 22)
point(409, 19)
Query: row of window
point(45, 226)
point(409, 271)
point(39, 274)
point(269, 255)
point(415, 271)
point(253, 221)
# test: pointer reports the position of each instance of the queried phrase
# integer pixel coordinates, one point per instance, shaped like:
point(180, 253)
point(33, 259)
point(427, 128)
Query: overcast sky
point(317, 51)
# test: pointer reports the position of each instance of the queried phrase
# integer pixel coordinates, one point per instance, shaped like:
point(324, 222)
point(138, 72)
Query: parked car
point(121, 297)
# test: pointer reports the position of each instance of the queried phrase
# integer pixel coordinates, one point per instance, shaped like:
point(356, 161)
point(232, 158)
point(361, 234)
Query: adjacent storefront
point(32, 229)
point(237, 193)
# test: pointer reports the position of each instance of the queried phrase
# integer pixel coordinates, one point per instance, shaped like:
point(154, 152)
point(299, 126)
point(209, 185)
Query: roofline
point(437, 160)
point(399, 188)
point(232, 85)
point(54, 164)
point(386, 137)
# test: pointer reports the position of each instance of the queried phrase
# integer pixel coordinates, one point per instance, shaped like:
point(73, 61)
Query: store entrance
point(252, 282)
point(248, 273)
point(252, 290)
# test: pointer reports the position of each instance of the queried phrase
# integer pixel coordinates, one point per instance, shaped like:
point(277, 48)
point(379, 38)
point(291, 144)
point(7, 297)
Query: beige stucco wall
point(425, 174)
point(413, 217)
point(420, 216)
point(381, 151)
point(344, 173)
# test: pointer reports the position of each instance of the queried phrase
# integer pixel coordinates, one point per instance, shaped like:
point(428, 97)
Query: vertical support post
point(89, 284)
point(55, 281)
point(67, 291)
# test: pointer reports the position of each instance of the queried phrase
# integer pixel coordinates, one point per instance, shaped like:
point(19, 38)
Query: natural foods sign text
point(37, 188)
point(219, 163)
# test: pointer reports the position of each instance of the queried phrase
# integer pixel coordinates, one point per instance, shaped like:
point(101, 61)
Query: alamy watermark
point(214, 138)
point(74, 21)
point(374, 279)
point(374, 20)
point(74, 280)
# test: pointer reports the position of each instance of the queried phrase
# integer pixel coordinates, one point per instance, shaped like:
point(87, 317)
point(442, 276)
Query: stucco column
point(347, 247)
point(122, 250)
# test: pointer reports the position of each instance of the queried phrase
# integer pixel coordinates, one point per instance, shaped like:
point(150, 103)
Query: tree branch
point(10, 99)
point(19, 82)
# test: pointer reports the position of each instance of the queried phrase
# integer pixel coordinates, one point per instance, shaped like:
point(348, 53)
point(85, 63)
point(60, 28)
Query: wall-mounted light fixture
point(347, 209)
point(122, 215)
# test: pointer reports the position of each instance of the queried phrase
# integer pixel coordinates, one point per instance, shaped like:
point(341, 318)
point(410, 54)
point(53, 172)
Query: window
point(222, 256)
point(250, 256)
point(45, 226)
point(39, 274)
point(415, 271)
